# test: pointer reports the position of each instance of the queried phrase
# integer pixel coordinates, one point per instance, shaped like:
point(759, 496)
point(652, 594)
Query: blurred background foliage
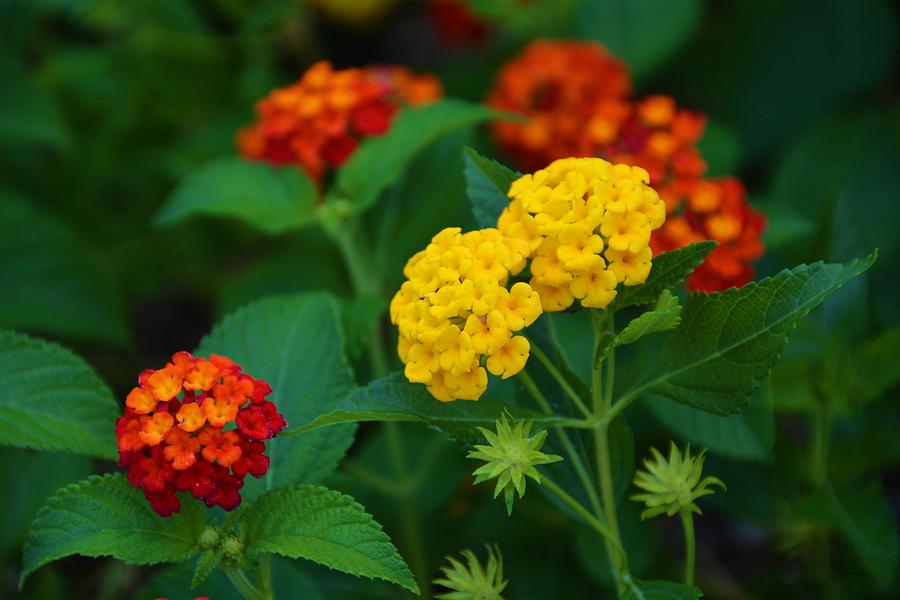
point(105, 106)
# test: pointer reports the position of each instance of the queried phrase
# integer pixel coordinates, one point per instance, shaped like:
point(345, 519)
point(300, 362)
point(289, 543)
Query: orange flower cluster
point(559, 86)
point(576, 112)
point(319, 121)
point(173, 436)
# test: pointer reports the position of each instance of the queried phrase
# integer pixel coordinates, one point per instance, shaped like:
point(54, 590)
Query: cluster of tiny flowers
point(197, 425)
point(456, 24)
point(586, 225)
point(652, 133)
point(559, 87)
point(456, 317)
point(319, 121)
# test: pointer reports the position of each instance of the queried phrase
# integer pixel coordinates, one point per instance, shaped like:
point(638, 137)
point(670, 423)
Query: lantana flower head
point(585, 224)
point(672, 485)
point(457, 319)
point(559, 86)
point(197, 425)
point(317, 122)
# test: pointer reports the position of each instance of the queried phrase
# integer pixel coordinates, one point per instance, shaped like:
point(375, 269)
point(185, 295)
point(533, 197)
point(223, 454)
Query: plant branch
point(563, 383)
point(690, 547)
point(243, 585)
point(583, 513)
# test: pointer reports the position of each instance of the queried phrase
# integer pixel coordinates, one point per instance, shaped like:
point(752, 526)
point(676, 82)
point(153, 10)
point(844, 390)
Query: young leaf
point(487, 183)
point(393, 398)
point(379, 161)
point(665, 316)
point(51, 283)
point(326, 527)
point(728, 342)
point(271, 199)
point(106, 516)
point(669, 269)
point(660, 590)
point(206, 564)
point(52, 400)
point(295, 343)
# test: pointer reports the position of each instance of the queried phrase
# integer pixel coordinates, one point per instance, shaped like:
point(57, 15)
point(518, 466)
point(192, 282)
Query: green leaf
point(864, 519)
point(669, 269)
point(52, 400)
point(487, 183)
point(296, 344)
point(325, 527)
point(106, 516)
point(666, 315)
point(51, 283)
point(860, 374)
point(643, 32)
point(728, 342)
point(271, 199)
point(660, 590)
point(393, 398)
point(206, 564)
point(784, 225)
point(379, 161)
point(747, 436)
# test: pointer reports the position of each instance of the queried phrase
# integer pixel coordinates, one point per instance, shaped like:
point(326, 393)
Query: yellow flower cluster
point(585, 224)
point(454, 310)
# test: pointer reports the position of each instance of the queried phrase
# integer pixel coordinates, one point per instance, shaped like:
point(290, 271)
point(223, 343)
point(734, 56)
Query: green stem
point(583, 513)
point(264, 577)
point(566, 441)
point(690, 546)
point(563, 383)
point(243, 585)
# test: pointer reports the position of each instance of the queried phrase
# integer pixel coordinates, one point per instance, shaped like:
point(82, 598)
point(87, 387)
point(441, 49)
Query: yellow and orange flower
point(317, 122)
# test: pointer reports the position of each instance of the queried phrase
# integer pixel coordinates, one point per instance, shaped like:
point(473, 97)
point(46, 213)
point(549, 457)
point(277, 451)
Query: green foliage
point(858, 374)
point(325, 527)
point(660, 590)
point(51, 283)
point(669, 269)
point(863, 517)
point(665, 316)
point(105, 516)
point(393, 398)
point(52, 400)
point(272, 199)
point(295, 343)
point(487, 183)
point(728, 342)
point(206, 564)
point(379, 161)
point(643, 32)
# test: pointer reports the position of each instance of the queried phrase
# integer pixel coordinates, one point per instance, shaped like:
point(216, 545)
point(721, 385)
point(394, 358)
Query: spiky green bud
point(672, 485)
point(472, 581)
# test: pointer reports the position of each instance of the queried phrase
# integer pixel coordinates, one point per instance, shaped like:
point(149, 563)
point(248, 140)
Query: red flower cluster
point(318, 121)
point(173, 436)
point(559, 86)
point(575, 111)
point(456, 24)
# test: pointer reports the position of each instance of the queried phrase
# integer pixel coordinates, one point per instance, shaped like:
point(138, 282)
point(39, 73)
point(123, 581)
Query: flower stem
point(583, 512)
point(690, 547)
point(264, 577)
point(563, 383)
point(566, 442)
point(243, 585)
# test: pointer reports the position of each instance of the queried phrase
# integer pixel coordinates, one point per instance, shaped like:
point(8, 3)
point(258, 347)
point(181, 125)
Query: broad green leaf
point(728, 342)
point(53, 400)
point(747, 436)
point(864, 519)
point(642, 32)
point(669, 269)
point(50, 282)
point(271, 199)
point(379, 161)
point(487, 183)
point(325, 527)
point(206, 564)
point(393, 398)
point(666, 315)
point(106, 516)
point(660, 590)
point(296, 344)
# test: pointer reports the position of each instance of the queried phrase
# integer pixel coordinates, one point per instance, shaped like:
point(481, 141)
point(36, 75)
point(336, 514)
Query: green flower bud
point(232, 547)
point(510, 457)
point(472, 581)
point(209, 537)
point(672, 485)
